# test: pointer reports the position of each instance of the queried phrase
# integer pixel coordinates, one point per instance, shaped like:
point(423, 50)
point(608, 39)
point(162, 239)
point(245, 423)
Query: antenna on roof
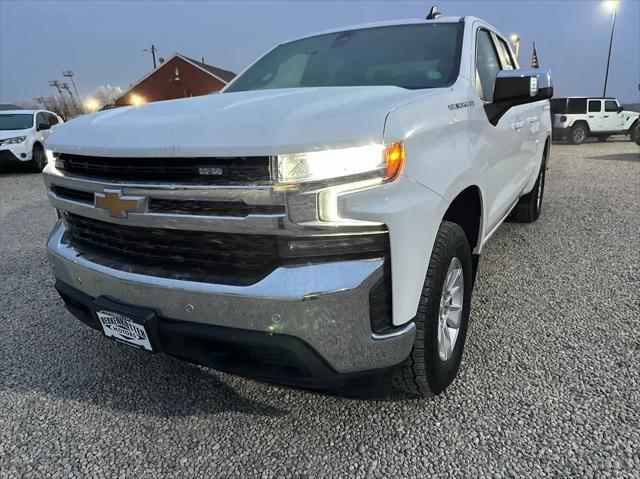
point(434, 13)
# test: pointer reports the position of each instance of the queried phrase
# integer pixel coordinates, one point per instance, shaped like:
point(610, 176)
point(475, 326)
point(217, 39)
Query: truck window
point(577, 106)
point(53, 120)
point(487, 65)
point(407, 56)
point(41, 119)
point(505, 53)
point(595, 106)
point(611, 106)
point(559, 105)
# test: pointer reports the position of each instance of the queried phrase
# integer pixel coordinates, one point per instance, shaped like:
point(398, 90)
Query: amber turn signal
point(395, 156)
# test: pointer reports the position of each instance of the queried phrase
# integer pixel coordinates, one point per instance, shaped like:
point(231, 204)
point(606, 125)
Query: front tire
point(578, 134)
point(443, 316)
point(634, 133)
point(38, 159)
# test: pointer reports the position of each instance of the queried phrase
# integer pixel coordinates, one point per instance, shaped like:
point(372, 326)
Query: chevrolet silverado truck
point(318, 223)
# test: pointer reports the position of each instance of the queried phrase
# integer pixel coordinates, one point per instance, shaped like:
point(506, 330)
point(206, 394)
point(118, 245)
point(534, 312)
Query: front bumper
point(322, 308)
point(14, 156)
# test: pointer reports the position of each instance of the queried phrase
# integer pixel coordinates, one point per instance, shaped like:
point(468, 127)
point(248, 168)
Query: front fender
point(412, 214)
point(630, 121)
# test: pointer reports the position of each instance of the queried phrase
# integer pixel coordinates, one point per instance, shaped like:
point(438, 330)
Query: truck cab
point(320, 221)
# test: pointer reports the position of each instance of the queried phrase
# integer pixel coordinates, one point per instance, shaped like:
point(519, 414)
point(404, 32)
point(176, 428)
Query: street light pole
point(613, 7)
point(70, 74)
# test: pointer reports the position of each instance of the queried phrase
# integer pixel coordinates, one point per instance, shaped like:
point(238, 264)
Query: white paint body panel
point(447, 149)
point(267, 122)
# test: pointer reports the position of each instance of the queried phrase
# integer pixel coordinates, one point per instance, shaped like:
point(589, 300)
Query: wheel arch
point(582, 122)
point(546, 151)
point(466, 210)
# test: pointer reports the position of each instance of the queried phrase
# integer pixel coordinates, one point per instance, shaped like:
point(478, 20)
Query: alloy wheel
point(450, 313)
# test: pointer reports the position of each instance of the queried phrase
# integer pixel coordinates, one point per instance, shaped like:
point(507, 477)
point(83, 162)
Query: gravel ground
point(550, 382)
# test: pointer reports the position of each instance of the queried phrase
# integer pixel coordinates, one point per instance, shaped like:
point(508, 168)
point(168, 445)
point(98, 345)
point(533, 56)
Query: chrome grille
point(236, 170)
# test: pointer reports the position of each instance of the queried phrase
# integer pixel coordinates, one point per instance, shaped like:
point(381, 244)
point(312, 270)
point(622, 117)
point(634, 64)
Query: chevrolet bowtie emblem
point(116, 204)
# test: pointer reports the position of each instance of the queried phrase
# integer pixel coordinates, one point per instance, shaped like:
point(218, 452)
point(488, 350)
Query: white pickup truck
point(317, 223)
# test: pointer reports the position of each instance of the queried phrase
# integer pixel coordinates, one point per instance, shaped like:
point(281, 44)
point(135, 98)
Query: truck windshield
point(408, 56)
point(15, 121)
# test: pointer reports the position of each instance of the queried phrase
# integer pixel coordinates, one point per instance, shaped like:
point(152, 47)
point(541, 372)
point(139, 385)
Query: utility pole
point(614, 7)
point(69, 74)
point(153, 52)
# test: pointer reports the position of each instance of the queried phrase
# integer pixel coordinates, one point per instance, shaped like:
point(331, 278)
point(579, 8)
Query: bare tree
point(58, 104)
point(107, 94)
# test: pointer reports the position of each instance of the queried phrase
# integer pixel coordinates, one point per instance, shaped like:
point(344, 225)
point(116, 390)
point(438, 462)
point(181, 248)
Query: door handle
point(517, 125)
point(533, 119)
point(590, 116)
point(606, 116)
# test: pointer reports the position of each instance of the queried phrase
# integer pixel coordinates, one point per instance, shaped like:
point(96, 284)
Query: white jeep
point(578, 118)
point(318, 222)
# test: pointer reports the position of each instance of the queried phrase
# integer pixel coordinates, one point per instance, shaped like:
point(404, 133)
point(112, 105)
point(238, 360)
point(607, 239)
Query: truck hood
point(264, 122)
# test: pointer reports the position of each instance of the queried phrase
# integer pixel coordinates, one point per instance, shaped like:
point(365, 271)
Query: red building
point(177, 77)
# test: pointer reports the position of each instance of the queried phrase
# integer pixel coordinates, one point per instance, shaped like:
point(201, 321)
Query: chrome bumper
point(326, 305)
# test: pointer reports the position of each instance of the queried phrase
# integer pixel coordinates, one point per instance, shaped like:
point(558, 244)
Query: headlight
point(369, 161)
point(14, 140)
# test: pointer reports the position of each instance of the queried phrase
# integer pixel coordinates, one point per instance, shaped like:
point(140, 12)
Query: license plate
point(124, 329)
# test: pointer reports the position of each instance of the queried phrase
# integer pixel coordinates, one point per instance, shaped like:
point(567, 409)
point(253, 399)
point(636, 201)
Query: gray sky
point(103, 41)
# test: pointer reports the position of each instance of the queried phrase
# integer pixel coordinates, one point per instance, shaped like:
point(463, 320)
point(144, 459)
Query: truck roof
point(588, 97)
point(387, 23)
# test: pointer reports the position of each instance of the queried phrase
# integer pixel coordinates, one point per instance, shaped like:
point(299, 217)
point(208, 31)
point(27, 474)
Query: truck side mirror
point(43, 126)
point(518, 87)
point(620, 109)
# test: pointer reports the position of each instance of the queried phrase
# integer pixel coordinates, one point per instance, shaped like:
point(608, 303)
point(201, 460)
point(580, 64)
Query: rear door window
point(576, 106)
point(595, 106)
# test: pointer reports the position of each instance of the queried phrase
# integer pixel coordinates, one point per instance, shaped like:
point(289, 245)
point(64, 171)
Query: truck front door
point(501, 148)
point(612, 120)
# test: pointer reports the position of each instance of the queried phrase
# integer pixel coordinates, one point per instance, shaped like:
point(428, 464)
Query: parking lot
point(549, 386)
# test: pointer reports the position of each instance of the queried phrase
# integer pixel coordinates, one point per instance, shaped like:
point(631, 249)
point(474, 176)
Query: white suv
point(578, 118)
point(22, 136)
point(318, 222)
